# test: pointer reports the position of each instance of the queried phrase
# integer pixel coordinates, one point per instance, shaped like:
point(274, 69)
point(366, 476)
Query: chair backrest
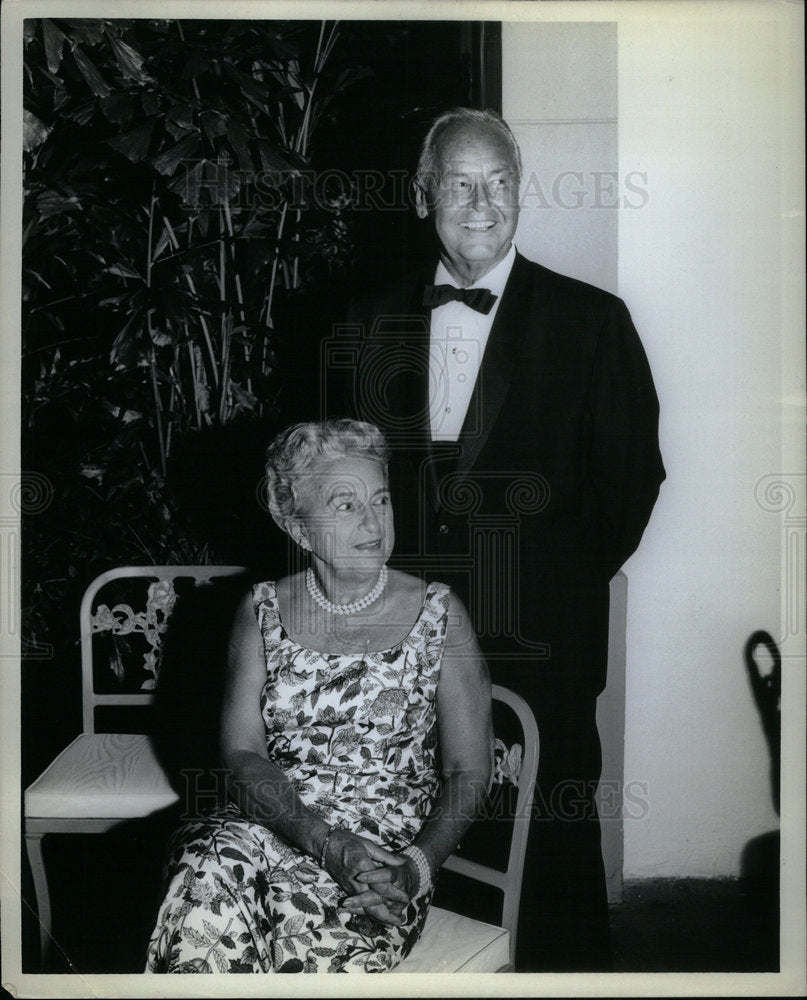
point(509, 880)
point(123, 619)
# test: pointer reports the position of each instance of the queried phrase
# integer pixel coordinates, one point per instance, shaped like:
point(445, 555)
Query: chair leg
point(33, 846)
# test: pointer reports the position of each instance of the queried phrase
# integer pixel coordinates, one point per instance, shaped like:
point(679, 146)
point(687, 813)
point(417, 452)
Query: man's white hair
point(427, 176)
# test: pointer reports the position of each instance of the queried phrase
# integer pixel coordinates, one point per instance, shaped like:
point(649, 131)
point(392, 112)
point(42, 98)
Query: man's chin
point(483, 247)
point(480, 256)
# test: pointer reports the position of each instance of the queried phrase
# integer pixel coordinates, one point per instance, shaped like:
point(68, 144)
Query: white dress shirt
point(457, 344)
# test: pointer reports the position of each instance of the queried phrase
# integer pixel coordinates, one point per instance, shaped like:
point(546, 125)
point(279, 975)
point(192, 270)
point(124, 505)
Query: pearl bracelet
point(422, 865)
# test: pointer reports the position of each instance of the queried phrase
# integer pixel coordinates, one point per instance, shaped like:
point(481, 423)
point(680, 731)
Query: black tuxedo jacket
point(552, 480)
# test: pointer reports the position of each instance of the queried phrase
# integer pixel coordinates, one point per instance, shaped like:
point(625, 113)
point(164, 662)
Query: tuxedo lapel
point(492, 383)
point(498, 365)
point(434, 460)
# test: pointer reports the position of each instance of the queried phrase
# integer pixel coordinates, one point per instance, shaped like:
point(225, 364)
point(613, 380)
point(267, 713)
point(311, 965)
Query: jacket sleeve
point(624, 464)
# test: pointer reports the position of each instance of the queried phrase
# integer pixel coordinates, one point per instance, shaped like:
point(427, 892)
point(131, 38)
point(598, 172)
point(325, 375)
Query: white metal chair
point(451, 942)
point(103, 779)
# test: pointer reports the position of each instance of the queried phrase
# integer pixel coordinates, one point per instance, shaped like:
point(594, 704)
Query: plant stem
point(231, 234)
point(142, 545)
point(272, 281)
point(225, 327)
point(226, 337)
point(153, 354)
point(202, 321)
point(193, 382)
point(157, 405)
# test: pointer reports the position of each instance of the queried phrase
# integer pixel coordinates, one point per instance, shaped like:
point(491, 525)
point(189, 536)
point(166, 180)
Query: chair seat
point(453, 943)
point(113, 775)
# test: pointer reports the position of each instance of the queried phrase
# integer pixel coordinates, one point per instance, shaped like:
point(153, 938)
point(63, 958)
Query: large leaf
point(123, 269)
point(167, 162)
point(134, 144)
point(273, 159)
point(214, 124)
point(34, 132)
point(150, 102)
point(179, 120)
point(206, 183)
point(86, 29)
point(198, 61)
point(83, 113)
point(50, 203)
point(130, 63)
point(128, 351)
point(92, 77)
point(162, 338)
point(257, 93)
point(243, 398)
point(240, 143)
point(54, 40)
point(118, 108)
point(351, 75)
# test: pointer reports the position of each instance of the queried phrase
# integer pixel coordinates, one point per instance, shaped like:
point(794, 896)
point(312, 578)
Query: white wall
point(703, 102)
point(559, 83)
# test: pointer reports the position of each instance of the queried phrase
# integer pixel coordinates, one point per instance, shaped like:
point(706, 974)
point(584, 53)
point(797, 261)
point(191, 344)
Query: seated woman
point(356, 731)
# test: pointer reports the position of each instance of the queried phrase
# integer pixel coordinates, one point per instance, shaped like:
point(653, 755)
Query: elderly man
point(524, 420)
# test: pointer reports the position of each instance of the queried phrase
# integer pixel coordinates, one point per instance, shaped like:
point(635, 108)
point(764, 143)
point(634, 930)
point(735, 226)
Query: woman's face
point(345, 514)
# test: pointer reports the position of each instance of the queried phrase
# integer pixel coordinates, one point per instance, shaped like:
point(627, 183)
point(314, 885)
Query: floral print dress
point(357, 737)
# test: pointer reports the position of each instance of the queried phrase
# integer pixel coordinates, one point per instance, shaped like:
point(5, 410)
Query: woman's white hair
point(298, 448)
point(427, 175)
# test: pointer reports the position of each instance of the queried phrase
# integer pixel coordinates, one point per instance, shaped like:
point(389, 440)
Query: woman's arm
point(466, 749)
point(260, 788)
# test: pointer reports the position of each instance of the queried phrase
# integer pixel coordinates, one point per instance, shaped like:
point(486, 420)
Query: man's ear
point(421, 201)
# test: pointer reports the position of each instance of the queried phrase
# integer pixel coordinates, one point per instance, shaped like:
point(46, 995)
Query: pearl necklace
point(345, 609)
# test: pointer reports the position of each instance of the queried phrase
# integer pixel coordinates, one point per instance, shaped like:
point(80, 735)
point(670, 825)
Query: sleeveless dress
point(357, 737)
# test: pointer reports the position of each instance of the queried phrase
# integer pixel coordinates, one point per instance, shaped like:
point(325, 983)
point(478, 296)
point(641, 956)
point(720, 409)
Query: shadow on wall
point(760, 857)
point(216, 480)
point(188, 697)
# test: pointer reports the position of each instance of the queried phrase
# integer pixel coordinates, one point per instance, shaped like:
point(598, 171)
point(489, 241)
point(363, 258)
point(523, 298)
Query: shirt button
point(448, 409)
point(443, 529)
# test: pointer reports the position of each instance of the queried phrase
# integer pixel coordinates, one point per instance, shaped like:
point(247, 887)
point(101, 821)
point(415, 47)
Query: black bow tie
point(480, 299)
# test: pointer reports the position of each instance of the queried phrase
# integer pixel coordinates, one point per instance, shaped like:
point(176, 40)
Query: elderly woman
point(356, 733)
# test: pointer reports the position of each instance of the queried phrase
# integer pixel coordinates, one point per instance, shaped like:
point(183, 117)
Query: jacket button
point(443, 529)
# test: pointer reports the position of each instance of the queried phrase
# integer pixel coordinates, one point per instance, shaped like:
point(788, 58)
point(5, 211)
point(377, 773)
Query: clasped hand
point(378, 882)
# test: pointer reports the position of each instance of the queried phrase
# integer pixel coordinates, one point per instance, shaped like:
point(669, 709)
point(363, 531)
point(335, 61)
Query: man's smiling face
point(474, 203)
